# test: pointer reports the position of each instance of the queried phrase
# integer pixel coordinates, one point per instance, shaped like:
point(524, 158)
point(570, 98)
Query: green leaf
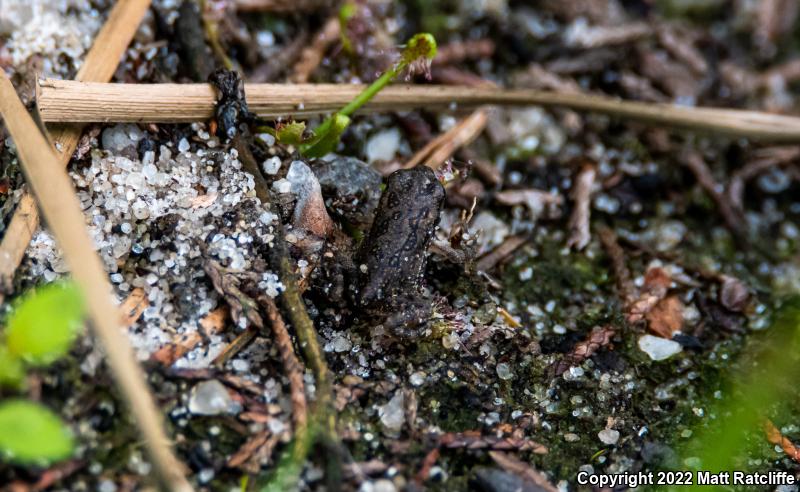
point(32, 434)
point(45, 323)
point(11, 371)
point(291, 133)
point(327, 137)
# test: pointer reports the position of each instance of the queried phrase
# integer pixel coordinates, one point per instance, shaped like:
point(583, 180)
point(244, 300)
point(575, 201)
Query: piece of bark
point(578, 224)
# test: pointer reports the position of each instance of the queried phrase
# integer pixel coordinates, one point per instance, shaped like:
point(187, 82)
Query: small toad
point(391, 260)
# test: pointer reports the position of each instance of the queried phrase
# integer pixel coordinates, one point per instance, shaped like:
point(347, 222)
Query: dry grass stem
point(312, 55)
point(238, 344)
point(100, 63)
point(733, 219)
point(441, 148)
point(68, 101)
point(491, 259)
point(622, 275)
point(16, 239)
point(59, 203)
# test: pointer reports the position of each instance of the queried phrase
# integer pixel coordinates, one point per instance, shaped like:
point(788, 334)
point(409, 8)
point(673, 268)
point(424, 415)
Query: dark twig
point(238, 344)
point(323, 417)
point(733, 219)
point(294, 369)
point(617, 255)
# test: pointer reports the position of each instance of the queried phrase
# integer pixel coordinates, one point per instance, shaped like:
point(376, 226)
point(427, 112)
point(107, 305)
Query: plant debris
point(451, 297)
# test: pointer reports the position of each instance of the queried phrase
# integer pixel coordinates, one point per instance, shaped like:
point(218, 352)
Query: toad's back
point(392, 256)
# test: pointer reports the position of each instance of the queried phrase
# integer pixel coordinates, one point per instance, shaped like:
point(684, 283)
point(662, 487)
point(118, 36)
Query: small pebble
point(383, 146)
point(212, 398)
point(271, 165)
point(608, 436)
point(183, 145)
point(504, 371)
point(392, 414)
point(658, 348)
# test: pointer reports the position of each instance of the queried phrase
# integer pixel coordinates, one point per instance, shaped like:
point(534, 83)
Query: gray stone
point(212, 398)
point(350, 187)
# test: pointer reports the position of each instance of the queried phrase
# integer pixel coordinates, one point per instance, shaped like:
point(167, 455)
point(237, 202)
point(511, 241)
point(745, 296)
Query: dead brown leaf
point(774, 436)
point(656, 283)
point(666, 317)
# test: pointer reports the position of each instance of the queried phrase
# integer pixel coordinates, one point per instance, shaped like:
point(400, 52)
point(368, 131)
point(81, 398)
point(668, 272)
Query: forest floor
point(596, 287)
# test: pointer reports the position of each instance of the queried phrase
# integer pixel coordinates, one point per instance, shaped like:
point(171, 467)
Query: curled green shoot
point(417, 55)
point(346, 12)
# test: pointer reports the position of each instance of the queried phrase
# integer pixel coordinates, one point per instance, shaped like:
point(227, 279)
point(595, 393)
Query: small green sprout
point(290, 133)
point(326, 137)
point(39, 331)
point(346, 12)
point(417, 56)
